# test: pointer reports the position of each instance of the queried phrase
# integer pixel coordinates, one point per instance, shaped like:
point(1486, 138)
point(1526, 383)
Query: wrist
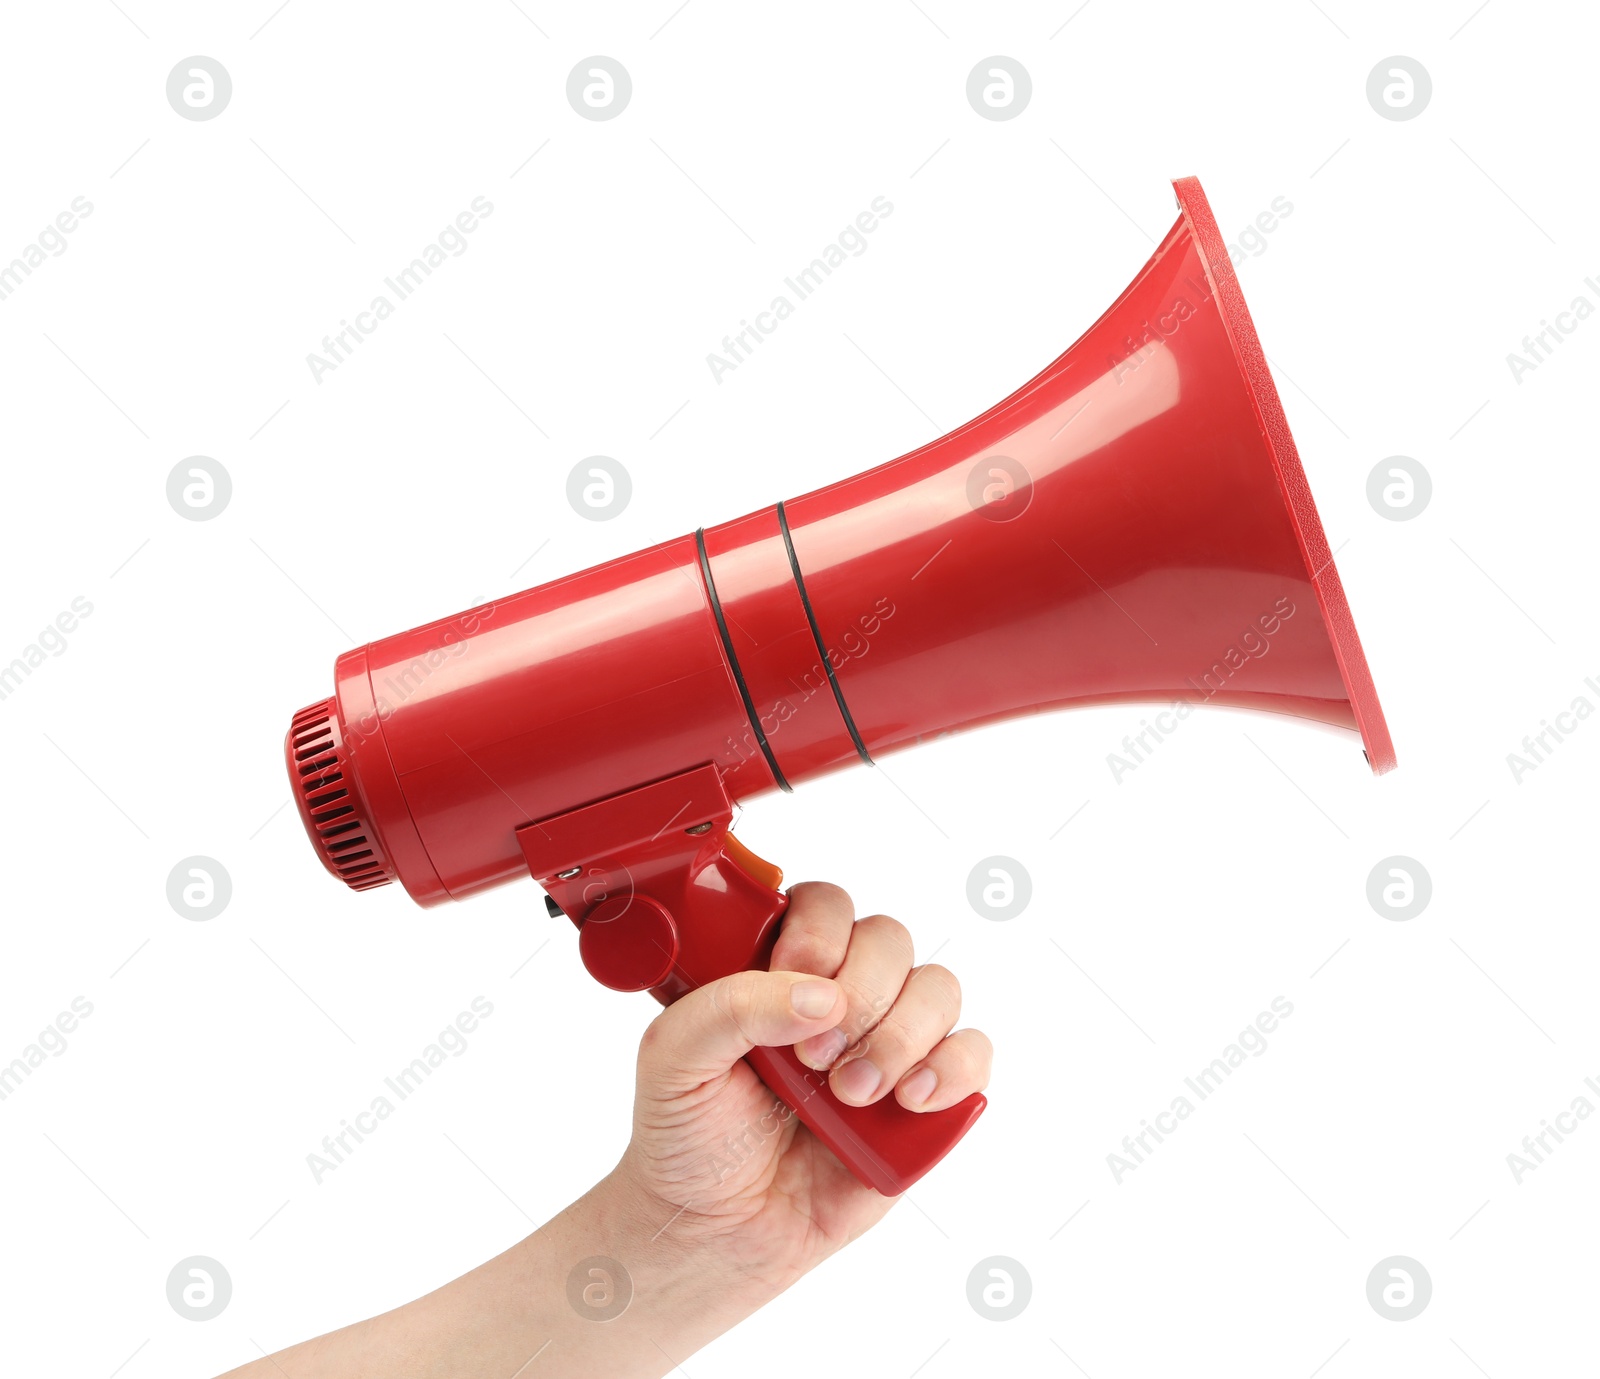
point(629, 1286)
point(681, 1256)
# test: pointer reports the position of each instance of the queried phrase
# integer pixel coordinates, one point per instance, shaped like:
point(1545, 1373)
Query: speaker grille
point(329, 804)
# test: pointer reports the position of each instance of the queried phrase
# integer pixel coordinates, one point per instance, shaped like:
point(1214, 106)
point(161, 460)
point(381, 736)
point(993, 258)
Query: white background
point(421, 476)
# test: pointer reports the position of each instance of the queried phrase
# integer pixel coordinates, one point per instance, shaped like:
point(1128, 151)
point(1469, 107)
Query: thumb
point(705, 1033)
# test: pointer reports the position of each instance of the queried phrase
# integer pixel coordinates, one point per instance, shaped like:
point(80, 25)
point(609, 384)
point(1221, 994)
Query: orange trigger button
point(757, 868)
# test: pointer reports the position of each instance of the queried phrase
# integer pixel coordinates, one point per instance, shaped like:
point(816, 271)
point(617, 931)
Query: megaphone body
point(1132, 524)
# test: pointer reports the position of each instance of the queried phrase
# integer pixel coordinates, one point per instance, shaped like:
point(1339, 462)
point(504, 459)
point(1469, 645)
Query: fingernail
point(919, 1086)
point(812, 999)
point(823, 1050)
point(858, 1079)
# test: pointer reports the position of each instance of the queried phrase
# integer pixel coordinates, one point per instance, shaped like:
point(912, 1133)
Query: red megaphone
point(1132, 524)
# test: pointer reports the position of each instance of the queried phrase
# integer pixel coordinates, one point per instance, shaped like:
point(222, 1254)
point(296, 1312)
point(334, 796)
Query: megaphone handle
point(884, 1145)
point(670, 908)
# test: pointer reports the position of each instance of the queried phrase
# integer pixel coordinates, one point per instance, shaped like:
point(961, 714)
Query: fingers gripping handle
point(671, 908)
point(884, 1145)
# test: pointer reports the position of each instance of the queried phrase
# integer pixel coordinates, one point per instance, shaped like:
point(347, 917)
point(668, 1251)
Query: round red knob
point(629, 943)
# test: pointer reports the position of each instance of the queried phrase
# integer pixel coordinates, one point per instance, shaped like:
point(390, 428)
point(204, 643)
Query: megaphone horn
point(1132, 524)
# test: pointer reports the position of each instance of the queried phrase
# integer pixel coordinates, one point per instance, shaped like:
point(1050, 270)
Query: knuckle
point(650, 1041)
point(942, 986)
point(809, 952)
point(740, 999)
point(822, 893)
point(972, 1055)
point(892, 1046)
point(868, 1004)
point(888, 932)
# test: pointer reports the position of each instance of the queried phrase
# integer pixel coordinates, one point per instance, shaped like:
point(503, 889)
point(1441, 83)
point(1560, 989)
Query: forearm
point(494, 1321)
point(723, 1198)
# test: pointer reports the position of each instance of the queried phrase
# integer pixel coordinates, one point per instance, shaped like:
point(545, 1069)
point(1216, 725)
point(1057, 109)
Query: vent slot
point(329, 805)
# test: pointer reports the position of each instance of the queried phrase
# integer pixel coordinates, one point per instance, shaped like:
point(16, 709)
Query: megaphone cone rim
point(1314, 549)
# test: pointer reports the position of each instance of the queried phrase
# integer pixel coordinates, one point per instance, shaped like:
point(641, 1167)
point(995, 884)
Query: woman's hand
point(722, 1199)
point(732, 1175)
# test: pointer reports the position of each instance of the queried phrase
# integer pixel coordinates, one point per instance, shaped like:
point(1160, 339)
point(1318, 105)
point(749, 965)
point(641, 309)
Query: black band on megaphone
point(733, 663)
point(816, 634)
